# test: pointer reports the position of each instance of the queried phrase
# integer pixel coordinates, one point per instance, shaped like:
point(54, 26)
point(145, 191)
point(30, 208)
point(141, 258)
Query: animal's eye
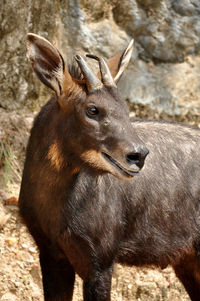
point(92, 111)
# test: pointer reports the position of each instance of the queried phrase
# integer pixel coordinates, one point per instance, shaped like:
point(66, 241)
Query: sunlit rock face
point(163, 78)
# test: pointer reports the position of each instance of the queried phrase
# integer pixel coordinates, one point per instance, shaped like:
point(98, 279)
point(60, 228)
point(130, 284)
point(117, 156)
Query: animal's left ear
point(119, 62)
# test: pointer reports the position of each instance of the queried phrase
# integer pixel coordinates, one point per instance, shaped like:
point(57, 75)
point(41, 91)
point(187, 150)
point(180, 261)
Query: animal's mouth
point(126, 172)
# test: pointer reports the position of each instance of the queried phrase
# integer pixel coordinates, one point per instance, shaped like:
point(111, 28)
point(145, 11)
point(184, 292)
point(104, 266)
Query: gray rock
point(164, 91)
point(163, 75)
point(166, 30)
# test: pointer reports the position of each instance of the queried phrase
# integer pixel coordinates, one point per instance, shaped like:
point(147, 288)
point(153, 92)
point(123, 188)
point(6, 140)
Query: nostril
point(133, 158)
point(137, 158)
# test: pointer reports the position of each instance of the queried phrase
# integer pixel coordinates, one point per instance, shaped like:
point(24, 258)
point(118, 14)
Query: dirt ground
point(20, 277)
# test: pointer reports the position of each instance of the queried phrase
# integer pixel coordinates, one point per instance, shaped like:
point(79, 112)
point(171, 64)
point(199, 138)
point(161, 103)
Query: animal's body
point(83, 214)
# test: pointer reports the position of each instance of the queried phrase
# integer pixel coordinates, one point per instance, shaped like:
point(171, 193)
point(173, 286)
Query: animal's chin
point(121, 170)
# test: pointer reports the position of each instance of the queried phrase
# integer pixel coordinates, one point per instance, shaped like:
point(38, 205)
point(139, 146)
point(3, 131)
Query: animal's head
point(92, 114)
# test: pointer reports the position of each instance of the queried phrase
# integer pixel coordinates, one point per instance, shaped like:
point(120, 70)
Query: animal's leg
point(58, 278)
point(98, 286)
point(188, 272)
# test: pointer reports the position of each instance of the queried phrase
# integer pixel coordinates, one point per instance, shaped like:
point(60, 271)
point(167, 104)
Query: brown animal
point(81, 212)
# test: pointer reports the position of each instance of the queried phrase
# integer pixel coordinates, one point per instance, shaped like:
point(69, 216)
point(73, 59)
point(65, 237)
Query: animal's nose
point(137, 157)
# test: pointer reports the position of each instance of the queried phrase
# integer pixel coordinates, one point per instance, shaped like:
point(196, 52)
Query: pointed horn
point(106, 76)
point(92, 81)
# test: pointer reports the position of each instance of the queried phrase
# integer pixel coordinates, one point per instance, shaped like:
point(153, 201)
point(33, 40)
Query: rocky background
point(162, 81)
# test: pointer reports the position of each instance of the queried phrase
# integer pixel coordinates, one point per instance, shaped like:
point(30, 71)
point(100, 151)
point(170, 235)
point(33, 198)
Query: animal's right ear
point(119, 62)
point(47, 62)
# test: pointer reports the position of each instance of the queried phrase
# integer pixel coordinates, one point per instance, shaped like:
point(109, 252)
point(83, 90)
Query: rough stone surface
point(166, 30)
point(165, 91)
point(163, 76)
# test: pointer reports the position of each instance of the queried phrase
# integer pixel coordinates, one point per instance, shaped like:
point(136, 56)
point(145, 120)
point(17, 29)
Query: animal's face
point(100, 133)
point(106, 139)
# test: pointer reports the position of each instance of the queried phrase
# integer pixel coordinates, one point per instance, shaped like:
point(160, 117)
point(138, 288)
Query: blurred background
point(162, 81)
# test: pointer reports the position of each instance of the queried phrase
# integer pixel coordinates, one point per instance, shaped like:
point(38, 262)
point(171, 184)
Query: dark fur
point(82, 215)
point(85, 222)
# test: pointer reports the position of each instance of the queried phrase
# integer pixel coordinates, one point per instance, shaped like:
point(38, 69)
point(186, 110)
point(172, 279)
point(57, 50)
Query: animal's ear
point(46, 61)
point(119, 62)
